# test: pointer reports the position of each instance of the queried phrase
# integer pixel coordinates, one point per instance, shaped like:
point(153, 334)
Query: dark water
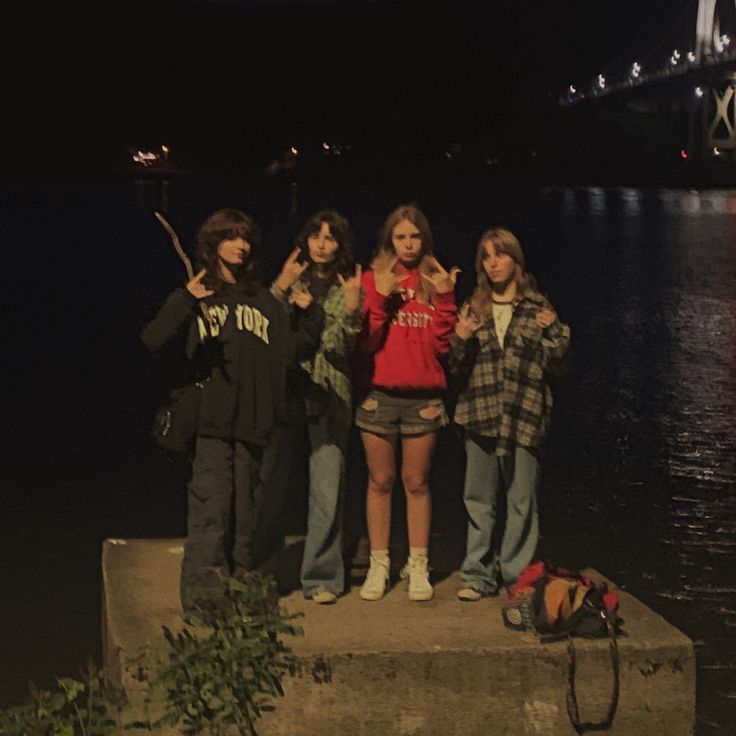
point(640, 472)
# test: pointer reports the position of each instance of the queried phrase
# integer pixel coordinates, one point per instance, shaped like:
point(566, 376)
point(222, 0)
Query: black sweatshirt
point(240, 353)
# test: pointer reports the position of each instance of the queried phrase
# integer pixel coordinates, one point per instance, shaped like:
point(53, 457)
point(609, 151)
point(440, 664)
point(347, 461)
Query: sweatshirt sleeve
point(375, 316)
point(443, 324)
point(177, 311)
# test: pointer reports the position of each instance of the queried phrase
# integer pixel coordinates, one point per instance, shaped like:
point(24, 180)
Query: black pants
point(284, 475)
point(224, 496)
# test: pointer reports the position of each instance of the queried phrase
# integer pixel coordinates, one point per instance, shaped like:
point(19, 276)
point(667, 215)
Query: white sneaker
point(375, 581)
point(418, 574)
point(323, 597)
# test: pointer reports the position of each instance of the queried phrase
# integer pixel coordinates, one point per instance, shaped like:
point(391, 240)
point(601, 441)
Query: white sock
point(417, 552)
point(380, 555)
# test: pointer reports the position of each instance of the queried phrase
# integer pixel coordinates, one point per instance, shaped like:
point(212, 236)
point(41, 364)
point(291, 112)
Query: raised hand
point(351, 289)
point(442, 280)
point(196, 288)
point(545, 317)
point(387, 282)
point(467, 323)
point(290, 271)
point(301, 297)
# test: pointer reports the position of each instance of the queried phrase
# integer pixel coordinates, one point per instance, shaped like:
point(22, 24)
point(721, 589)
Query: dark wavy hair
point(344, 262)
point(227, 224)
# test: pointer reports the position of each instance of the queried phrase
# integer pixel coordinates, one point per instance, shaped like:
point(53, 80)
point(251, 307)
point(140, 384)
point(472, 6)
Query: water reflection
point(655, 384)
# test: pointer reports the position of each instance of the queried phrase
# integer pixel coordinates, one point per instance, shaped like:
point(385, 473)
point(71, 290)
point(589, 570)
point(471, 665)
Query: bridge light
point(698, 91)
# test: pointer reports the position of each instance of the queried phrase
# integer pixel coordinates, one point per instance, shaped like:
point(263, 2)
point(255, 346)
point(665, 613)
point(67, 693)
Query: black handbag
point(175, 425)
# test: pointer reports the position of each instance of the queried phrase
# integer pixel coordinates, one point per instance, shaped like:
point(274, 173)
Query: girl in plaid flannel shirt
point(508, 344)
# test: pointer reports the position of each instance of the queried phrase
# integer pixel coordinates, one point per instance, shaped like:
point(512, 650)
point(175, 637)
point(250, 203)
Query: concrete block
point(399, 668)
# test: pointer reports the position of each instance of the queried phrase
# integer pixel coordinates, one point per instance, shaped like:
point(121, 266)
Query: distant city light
point(683, 153)
point(572, 90)
point(635, 71)
point(294, 151)
point(600, 81)
point(145, 158)
point(690, 56)
point(716, 151)
point(698, 91)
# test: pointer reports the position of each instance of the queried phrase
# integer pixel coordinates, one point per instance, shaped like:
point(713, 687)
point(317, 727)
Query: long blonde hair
point(504, 241)
point(385, 247)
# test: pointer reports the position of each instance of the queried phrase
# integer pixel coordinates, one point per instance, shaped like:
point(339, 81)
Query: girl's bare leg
point(416, 451)
point(380, 455)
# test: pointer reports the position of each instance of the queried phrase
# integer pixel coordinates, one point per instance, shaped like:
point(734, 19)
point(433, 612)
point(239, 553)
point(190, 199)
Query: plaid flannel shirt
point(329, 368)
point(504, 392)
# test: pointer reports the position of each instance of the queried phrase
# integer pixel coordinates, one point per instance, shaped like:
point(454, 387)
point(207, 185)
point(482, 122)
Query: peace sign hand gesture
point(290, 271)
point(351, 289)
point(467, 323)
point(196, 288)
point(442, 280)
point(387, 282)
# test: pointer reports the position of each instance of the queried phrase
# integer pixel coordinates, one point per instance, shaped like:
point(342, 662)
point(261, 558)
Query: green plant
point(87, 707)
point(223, 671)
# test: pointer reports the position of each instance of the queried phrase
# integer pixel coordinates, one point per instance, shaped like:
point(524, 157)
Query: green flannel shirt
point(504, 391)
point(329, 369)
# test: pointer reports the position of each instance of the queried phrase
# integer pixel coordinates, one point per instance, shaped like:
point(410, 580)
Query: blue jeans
point(322, 564)
point(489, 549)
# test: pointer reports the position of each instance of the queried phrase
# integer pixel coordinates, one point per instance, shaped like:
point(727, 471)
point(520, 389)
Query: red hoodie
point(404, 337)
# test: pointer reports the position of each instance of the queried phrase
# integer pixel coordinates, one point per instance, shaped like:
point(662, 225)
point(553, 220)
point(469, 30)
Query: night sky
point(247, 78)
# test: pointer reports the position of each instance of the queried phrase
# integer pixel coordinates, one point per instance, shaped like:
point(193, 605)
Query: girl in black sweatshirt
point(236, 341)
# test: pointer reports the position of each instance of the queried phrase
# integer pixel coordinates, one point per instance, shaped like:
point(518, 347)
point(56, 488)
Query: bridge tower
point(713, 109)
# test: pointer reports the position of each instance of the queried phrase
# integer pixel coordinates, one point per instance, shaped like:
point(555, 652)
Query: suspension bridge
point(689, 65)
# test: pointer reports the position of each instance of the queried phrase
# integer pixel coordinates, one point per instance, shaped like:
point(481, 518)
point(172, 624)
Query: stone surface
point(394, 667)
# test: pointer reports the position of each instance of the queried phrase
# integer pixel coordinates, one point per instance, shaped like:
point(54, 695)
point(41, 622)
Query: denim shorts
point(403, 414)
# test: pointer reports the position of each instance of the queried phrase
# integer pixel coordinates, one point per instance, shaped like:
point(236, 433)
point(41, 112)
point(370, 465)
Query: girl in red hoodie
point(409, 318)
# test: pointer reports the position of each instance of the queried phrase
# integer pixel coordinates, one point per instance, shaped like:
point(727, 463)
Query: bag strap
point(572, 700)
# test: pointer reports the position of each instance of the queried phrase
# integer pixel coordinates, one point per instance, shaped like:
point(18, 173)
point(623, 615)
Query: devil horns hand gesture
point(351, 289)
point(442, 280)
point(290, 271)
point(388, 282)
